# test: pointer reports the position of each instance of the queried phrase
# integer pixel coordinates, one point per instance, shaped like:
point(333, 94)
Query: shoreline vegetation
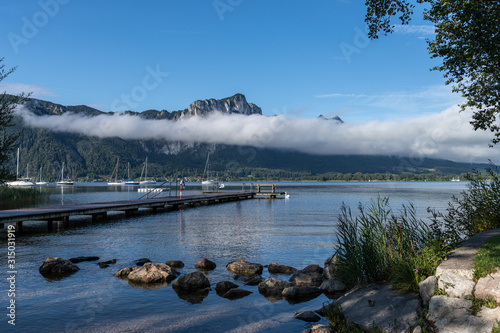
point(12, 197)
point(378, 245)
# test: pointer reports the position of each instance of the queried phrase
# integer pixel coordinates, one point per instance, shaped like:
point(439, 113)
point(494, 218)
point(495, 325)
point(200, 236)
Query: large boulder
point(273, 287)
point(205, 265)
point(333, 285)
point(456, 285)
point(150, 272)
point(275, 268)
point(124, 272)
point(301, 294)
point(245, 268)
point(427, 288)
point(191, 282)
point(307, 278)
point(380, 305)
point(55, 268)
point(488, 287)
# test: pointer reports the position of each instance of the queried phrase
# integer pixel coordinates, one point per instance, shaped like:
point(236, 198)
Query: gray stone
point(318, 328)
point(272, 286)
point(301, 293)
point(488, 287)
point(311, 278)
point(205, 264)
point(236, 293)
point(308, 316)
point(380, 305)
point(417, 329)
point(191, 282)
point(153, 272)
point(245, 268)
point(175, 263)
point(313, 269)
point(275, 268)
point(333, 285)
point(456, 285)
point(330, 272)
point(224, 286)
point(124, 272)
point(427, 288)
point(253, 280)
point(57, 268)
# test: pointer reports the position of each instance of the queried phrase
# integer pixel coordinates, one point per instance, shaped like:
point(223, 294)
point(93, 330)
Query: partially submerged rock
point(245, 268)
point(191, 282)
point(253, 280)
point(142, 261)
point(273, 287)
point(153, 273)
point(80, 259)
point(333, 285)
point(236, 293)
point(275, 268)
point(104, 264)
point(124, 272)
point(308, 316)
point(224, 286)
point(175, 263)
point(307, 278)
point(205, 264)
point(55, 268)
point(301, 294)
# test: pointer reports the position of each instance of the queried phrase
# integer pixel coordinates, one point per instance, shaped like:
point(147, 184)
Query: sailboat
point(25, 182)
point(207, 182)
point(63, 181)
point(40, 181)
point(130, 181)
point(146, 181)
point(115, 172)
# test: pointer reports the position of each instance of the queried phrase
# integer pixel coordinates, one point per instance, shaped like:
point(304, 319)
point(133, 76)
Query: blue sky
point(295, 58)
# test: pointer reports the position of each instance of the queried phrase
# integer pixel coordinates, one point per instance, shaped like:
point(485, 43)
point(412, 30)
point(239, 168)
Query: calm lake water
point(297, 232)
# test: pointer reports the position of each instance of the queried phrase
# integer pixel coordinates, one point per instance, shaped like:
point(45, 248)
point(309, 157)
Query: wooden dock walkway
point(62, 213)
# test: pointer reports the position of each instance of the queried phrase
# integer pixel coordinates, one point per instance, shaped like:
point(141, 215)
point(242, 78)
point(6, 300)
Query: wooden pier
point(268, 191)
point(63, 213)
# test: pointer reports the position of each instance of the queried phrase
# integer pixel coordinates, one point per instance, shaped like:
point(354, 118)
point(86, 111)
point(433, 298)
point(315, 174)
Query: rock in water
point(275, 268)
point(308, 316)
point(273, 287)
point(205, 264)
point(80, 259)
point(57, 268)
point(301, 294)
point(245, 268)
point(142, 261)
point(191, 282)
point(224, 286)
point(175, 263)
point(150, 272)
point(236, 293)
point(124, 272)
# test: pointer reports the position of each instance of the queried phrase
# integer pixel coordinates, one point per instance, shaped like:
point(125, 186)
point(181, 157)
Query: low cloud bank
point(445, 135)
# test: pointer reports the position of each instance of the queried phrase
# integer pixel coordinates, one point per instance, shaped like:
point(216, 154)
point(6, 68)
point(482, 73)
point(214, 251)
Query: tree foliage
point(7, 139)
point(467, 40)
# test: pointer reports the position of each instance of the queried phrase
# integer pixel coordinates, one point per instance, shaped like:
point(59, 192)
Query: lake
point(297, 232)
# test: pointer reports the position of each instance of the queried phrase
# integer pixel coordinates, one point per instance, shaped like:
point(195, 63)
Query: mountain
point(87, 156)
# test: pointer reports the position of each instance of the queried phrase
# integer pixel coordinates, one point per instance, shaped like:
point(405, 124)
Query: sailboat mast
point(17, 168)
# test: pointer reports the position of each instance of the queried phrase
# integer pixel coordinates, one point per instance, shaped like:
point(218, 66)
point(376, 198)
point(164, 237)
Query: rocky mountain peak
point(234, 104)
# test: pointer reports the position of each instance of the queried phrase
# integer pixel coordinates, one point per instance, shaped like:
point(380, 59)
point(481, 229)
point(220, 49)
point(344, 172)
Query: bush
point(372, 243)
point(476, 211)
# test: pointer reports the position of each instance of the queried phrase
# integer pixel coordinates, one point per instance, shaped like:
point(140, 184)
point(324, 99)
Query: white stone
point(456, 285)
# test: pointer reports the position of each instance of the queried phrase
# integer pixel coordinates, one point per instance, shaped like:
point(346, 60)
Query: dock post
point(19, 226)
point(94, 218)
point(66, 222)
point(50, 224)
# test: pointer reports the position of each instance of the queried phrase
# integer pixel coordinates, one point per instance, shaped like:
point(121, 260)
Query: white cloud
point(445, 135)
point(17, 88)
point(415, 29)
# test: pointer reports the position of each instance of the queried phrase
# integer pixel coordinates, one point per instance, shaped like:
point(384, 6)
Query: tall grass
point(11, 197)
point(376, 242)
